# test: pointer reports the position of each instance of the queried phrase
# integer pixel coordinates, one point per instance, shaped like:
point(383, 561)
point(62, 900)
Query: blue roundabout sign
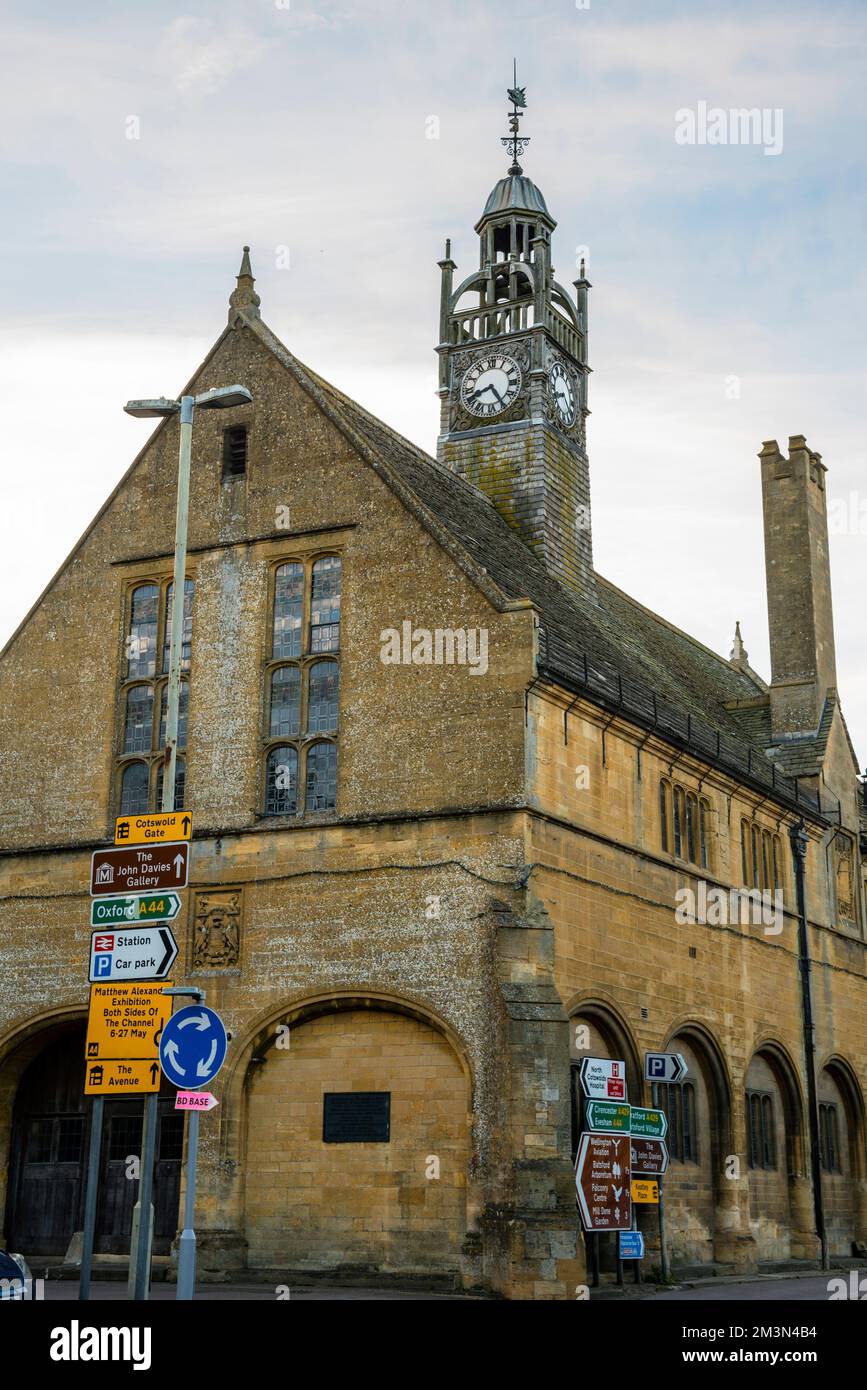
point(193, 1047)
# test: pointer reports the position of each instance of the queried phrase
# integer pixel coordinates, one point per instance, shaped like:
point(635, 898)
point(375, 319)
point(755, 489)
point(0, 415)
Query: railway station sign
point(603, 1078)
point(139, 953)
point(602, 1177)
point(139, 869)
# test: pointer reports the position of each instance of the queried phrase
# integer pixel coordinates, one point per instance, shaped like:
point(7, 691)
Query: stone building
point(464, 813)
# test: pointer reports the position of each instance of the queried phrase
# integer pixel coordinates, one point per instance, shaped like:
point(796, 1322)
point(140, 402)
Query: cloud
point(200, 58)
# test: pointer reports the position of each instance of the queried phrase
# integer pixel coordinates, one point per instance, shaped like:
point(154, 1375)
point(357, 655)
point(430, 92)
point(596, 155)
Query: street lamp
point(220, 398)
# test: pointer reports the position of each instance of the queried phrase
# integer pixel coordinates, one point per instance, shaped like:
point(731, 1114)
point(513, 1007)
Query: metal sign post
point(187, 1243)
point(96, 1114)
point(664, 1267)
point(192, 1051)
point(143, 1211)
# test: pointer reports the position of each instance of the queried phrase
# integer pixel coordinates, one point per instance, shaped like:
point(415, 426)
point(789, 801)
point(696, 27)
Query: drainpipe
point(800, 840)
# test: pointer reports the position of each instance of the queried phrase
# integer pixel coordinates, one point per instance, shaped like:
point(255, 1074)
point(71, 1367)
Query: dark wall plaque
point(356, 1117)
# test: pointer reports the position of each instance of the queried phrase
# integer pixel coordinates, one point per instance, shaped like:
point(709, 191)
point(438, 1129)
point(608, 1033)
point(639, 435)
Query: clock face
point(563, 394)
point(490, 385)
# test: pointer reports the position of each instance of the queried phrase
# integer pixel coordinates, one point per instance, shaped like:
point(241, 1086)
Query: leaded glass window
point(134, 787)
point(186, 630)
point(323, 697)
point(325, 605)
point(285, 720)
point(281, 796)
point(138, 725)
point(288, 611)
point(321, 777)
point(141, 642)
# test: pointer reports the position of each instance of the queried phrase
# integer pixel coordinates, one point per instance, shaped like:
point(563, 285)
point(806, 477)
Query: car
point(16, 1281)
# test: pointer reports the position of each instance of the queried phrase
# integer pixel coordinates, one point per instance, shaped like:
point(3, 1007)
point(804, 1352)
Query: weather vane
point(515, 142)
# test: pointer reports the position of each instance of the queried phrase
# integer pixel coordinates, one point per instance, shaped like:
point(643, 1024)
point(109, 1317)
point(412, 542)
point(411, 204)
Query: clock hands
point(476, 395)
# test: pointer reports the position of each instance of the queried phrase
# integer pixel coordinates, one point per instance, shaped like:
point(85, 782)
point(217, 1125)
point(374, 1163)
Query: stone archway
point(356, 1142)
point(45, 1140)
point(781, 1213)
point(843, 1156)
point(702, 1187)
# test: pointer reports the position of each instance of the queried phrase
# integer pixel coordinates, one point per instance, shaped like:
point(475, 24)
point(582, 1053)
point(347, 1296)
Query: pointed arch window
point(183, 709)
point(143, 695)
point(302, 688)
point(321, 777)
point(761, 857)
point(685, 824)
point(187, 629)
point(325, 605)
point(138, 725)
point(665, 814)
point(678, 1103)
point(180, 784)
point(285, 721)
point(829, 1139)
point(281, 793)
point(760, 1130)
point(288, 611)
point(323, 699)
point(141, 641)
point(134, 789)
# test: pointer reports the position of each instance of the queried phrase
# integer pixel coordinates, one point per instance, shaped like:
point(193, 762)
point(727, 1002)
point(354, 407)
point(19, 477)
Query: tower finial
point(516, 142)
point(244, 301)
point(738, 651)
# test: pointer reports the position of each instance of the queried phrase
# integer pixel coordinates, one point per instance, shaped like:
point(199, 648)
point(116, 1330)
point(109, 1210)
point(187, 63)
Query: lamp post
point(220, 398)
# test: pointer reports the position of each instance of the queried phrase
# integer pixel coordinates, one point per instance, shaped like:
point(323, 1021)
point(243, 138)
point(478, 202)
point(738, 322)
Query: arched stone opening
point(355, 1144)
point(702, 1198)
point(781, 1214)
point(45, 1140)
point(843, 1157)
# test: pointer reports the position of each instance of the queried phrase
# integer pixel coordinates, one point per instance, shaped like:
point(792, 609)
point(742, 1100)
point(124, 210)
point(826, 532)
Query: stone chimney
point(800, 615)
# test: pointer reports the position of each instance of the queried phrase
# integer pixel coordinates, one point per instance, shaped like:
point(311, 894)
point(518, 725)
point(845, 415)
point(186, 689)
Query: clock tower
point(513, 375)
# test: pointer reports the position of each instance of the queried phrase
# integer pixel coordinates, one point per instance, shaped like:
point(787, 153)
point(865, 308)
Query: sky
point(344, 140)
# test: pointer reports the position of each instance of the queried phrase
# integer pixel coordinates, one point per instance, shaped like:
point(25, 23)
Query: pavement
point(788, 1288)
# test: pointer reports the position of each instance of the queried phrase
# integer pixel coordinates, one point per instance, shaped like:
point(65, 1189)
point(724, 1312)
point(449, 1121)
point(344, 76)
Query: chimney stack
point(800, 614)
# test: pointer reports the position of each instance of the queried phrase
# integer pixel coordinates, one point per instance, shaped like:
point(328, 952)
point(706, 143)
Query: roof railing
point(641, 704)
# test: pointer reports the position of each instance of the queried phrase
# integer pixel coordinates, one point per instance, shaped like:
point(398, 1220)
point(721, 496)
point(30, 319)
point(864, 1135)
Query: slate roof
point(616, 650)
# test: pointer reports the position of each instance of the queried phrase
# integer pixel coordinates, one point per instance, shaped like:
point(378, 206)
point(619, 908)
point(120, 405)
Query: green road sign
point(148, 907)
point(648, 1124)
point(608, 1116)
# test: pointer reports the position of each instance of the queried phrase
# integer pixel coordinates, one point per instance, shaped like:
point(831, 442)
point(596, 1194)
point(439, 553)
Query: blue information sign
point(193, 1047)
point(631, 1245)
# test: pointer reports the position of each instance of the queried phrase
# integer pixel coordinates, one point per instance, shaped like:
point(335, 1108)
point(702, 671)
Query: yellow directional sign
point(163, 828)
point(125, 1021)
point(119, 1078)
point(644, 1190)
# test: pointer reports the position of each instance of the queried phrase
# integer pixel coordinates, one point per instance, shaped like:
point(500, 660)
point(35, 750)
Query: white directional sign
point(664, 1066)
point(603, 1078)
point(134, 953)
